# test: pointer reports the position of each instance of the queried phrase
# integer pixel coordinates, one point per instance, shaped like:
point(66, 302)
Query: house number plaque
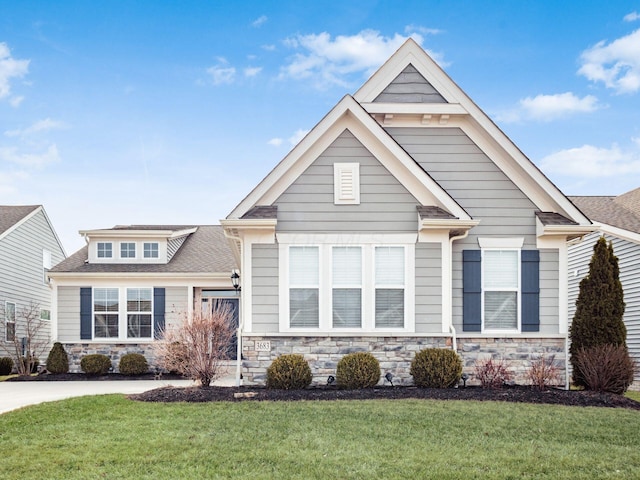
point(263, 346)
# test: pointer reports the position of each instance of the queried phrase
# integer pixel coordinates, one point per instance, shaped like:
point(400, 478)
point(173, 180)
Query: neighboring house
point(29, 247)
point(404, 219)
point(117, 294)
point(619, 221)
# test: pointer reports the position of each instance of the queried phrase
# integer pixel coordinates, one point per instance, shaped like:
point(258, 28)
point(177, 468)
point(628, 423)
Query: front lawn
point(112, 437)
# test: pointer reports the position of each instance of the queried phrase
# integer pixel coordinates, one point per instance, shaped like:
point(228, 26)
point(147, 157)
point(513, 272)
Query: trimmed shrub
point(492, 373)
point(133, 364)
point(58, 361)
point(543, 372)
point(6, 365)
point(605, 368)
point(289, 372)
point(95, 364)
point(358, 370)
point(436, 368)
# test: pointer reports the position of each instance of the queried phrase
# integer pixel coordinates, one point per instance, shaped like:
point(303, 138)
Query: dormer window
point(128, 250)
point(150, 249)
point(105, 250)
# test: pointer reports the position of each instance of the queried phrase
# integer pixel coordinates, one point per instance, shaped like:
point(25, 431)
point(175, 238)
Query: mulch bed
point(508, 394)
point(521, 394)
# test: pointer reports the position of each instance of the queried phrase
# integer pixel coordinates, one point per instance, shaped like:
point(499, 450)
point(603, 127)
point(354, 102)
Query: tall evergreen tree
point(600, 306)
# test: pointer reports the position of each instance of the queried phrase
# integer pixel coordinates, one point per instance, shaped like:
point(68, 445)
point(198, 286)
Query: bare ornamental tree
point(29, 339)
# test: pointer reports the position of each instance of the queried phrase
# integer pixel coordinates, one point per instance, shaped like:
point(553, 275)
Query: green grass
point(633, 395)
point(111, 437)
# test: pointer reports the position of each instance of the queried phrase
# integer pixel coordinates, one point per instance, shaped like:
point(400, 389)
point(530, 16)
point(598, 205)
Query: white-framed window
point(106, 305)
point(139, 312)
point(501, 290)
point(45, 314)
point(347, 287)
point(105, 250)
point(10, 321)
point(389, 284)
point(304, 286)
point(127, 250)
point(150, 250)
point(122, 313)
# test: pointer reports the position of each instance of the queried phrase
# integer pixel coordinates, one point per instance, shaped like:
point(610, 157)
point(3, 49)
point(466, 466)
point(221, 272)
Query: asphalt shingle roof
point(552, 218)
point(206, 250)
point(622, 211)
point(12, 214)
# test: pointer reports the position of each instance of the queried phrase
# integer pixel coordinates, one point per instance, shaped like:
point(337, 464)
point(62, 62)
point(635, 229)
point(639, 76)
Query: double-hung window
point(128, 250)
point(500, 289)
point(389, 286)
point(139, 312)
point(10, 321)
point(347, 287)
point(304, 282)
point(105, 250)
point(106, 306)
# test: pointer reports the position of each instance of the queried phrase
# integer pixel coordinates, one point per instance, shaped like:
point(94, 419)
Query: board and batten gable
point(22, 275)
point(628, 254)
point(308, 205)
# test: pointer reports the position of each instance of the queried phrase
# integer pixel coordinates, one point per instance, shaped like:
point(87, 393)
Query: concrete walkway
point(14, 395)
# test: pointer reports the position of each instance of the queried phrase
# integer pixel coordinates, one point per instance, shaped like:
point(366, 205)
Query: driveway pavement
point(14, 395)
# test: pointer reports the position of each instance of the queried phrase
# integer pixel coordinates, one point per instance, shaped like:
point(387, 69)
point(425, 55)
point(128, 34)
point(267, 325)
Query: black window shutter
point(530, 283)
point(85, 313)
point(158, 311)
point(471, 291)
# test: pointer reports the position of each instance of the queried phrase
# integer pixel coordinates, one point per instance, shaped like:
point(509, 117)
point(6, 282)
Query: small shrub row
point(130, 364)
point(6, 365)
point(436, 368)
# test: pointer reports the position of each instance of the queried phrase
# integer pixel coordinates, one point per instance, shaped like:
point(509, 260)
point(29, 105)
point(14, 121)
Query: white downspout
point(452, 329)
point(240, 313)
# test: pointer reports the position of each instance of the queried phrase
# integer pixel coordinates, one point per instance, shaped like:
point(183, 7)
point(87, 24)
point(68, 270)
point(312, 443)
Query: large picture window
point(389, 284)
point(105, 312)
point(501, 284)
point(347, 287)
point(304, 285)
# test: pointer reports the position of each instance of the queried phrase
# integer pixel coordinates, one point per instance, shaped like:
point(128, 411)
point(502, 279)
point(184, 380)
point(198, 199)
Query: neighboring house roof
point(622, 211)
point(10, 215)
point(262, 211)
point(552, 218)
point(205, 251)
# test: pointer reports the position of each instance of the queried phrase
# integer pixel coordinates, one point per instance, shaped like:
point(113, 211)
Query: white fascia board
point(249, 223)
point(448, 223)
point(505, 153)
point(160, 234)
point(61, 277)
point(415, 108)
point(619, 232)
point(349, 115)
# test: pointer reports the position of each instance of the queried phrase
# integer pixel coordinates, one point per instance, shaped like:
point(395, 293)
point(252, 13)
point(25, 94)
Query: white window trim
point(6, 320)
point(368, 288)
point(359, 286)
point(98, 249)
point(157, 250)
point(518, 291)
point(135, 250)
point(122, 316)
point(346, 193)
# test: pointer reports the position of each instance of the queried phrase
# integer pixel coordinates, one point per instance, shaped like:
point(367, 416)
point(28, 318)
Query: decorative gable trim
point(346, 183)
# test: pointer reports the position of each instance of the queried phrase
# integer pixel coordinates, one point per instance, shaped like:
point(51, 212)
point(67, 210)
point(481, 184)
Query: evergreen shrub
point(6, 365)
point(289, 372)
point(436, 368)
point(133, 364)
point(95, 364)
point(58, 360)
point(358, 370)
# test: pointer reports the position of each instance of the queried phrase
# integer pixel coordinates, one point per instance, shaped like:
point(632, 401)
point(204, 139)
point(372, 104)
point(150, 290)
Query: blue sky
point(171, 112)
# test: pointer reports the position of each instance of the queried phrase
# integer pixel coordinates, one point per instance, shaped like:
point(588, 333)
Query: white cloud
point(410, 29)
point(16, 101)
point(550, 107)
point(37, 160)
point(268, 48)
point(297, 136)
point(221, 74)
point(258, 22)
point(10, 68)
point(616, 64)
point(592, 162)
point(632, 17)
point(252, 71)
point(329, 61)
point(40, 126)
point(275, 142)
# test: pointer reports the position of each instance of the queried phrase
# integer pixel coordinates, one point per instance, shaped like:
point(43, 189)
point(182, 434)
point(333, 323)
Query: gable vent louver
point(346, 183)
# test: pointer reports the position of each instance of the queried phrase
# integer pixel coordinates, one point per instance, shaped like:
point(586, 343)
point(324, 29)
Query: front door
point(208, 303)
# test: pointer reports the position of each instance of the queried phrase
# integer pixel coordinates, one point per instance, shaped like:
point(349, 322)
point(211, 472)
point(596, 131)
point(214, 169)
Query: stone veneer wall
point(76, 351)
point(396, 353)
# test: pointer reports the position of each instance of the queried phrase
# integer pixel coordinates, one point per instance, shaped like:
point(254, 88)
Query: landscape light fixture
point(235, 280)
point(331, 380)
point(464, 378)
point(389, 378)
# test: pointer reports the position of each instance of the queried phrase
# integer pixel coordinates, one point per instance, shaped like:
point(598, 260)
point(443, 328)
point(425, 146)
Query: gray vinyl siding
point(21, 269)
point(549, 284)
point(265, 295)
point(176, 302)
point(428, 288)
point(628, 254)
point(410, 87)
point(308, 204)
